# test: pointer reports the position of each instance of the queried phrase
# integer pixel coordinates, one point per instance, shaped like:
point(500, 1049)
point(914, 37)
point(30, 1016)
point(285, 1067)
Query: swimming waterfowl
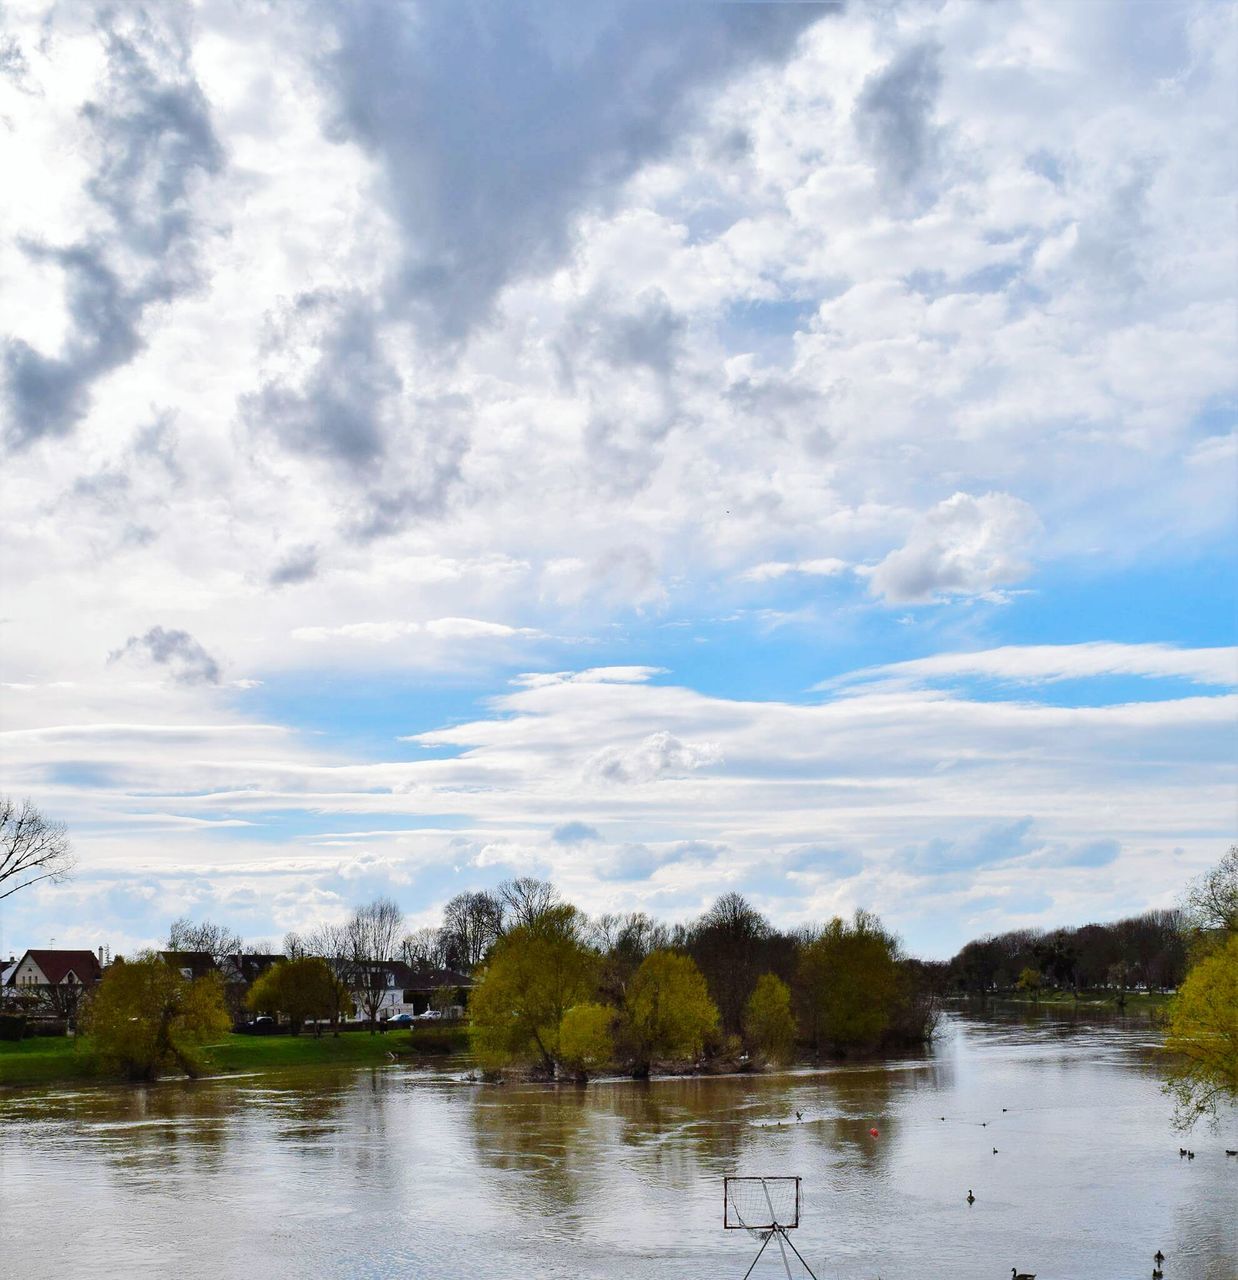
point(1158, 1257)
point(971, 1199)
point(1016, 1274)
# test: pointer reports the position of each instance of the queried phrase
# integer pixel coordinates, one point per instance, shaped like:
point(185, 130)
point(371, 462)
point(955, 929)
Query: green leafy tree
point(1203, 1034)
point(585, 1040)
point(146, 1018)
point(769, 1024)
point(1029, 981)
point(536, 973)
point(667, 1010)
point(850, 983)
point(300, 990)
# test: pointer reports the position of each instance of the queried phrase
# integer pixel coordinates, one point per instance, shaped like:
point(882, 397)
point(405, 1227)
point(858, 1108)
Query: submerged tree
point(1203, 1034)
point(535, 974)
point(585, 1040)
point(668, 1012)
point(850, 983)
point(146, 1017)
point(769, 1024)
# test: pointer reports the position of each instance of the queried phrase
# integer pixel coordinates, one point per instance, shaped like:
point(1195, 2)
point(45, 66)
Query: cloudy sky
point(662, 448)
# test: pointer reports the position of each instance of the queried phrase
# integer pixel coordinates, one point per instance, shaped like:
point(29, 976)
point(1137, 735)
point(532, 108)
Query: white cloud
point(827, 567)
point(1043, 663)
point(963, 546)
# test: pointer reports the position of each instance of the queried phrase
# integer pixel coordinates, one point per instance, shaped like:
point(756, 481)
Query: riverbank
point(1056, 1001)
point(51, 1060)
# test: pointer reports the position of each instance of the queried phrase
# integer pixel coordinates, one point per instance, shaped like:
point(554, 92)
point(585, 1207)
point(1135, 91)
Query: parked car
point(401, 1020)
point(429, 1015)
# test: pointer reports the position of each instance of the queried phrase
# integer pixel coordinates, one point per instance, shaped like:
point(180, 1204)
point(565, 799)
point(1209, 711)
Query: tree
point(32, 849)
point(769, 1025)
point(1029, 981)
point(300, 989)
point(471, 923)
point(585, 1040)
point(424, 949)
point(1203, 1032)
point(524, 901)
point(373, 938)
point(535, 974)
point(668, 1012)
point(1211, 902)
point(216, 940)
point(333, 944)
point(729, 943)
point(145, 1017)
point(850, 983)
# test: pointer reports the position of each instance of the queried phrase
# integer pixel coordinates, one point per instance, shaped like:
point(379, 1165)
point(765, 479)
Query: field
point(44, 1060)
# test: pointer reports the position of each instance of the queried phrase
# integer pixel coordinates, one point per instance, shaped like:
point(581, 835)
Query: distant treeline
point(1145, 952)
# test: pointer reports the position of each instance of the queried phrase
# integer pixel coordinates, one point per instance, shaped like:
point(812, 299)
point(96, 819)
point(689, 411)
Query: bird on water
point(971, 1199)
point(1016, 1274)
point(1158, 1257)
point(1157, 1273)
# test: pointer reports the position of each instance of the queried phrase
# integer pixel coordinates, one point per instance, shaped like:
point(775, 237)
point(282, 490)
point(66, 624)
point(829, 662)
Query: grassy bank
point(1136, 1001)
point(67, 1060)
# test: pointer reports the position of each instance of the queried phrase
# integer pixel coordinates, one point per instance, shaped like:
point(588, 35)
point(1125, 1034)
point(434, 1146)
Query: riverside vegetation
point(560, 995)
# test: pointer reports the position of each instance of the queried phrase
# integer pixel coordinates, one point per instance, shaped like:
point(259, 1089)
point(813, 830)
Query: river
point(416, 1172)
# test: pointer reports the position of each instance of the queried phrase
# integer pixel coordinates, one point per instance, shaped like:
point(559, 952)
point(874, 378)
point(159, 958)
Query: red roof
point(56, 964)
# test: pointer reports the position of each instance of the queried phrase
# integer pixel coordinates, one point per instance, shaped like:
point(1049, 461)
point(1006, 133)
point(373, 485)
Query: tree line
point(1146, 951)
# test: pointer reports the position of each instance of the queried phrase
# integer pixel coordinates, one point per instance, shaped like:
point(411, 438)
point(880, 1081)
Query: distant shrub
point(12, 1026)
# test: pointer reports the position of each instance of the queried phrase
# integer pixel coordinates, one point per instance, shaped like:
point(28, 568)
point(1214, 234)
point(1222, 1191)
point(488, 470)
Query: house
point(52, 981)
point(240, 972)
point(379, 983)
point(446, 990)
point(192, 964)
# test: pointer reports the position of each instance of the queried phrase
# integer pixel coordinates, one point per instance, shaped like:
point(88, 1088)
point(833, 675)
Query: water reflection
point(401, 1172)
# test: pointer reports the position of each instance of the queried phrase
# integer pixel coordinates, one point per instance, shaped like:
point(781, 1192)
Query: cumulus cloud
point(893, 115)
point(660, 755)
point(963, 546)
point(299, 565)
point(149, 128)
point(616, 85)
point(187, 661)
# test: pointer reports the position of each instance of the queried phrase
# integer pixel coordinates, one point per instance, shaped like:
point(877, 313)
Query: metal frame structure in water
point(767, 1229)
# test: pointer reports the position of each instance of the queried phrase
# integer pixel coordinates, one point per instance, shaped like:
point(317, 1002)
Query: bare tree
point(424, 949)
point(216, 940)
point(333, 944)
point(32, 849)
point(374, 938)
point(471, 923)
point(524, 901)
point(1211, 902)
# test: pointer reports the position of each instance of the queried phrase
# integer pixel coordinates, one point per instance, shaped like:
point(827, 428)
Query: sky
point(665, 449)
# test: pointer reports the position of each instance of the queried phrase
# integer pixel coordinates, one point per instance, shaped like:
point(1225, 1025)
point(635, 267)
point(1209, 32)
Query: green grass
point(46, 1060)
point(1135, 1000)
point(62, 1060)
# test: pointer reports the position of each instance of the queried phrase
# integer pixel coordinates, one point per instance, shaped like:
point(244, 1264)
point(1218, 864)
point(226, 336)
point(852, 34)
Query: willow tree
point(536, 973)
point(1203, 1036)
point(146, 1018)
point(849, 983)
point(667, 1010)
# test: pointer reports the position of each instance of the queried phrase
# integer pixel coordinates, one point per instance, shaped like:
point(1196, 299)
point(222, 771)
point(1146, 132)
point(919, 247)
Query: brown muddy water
point(408, 1172)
